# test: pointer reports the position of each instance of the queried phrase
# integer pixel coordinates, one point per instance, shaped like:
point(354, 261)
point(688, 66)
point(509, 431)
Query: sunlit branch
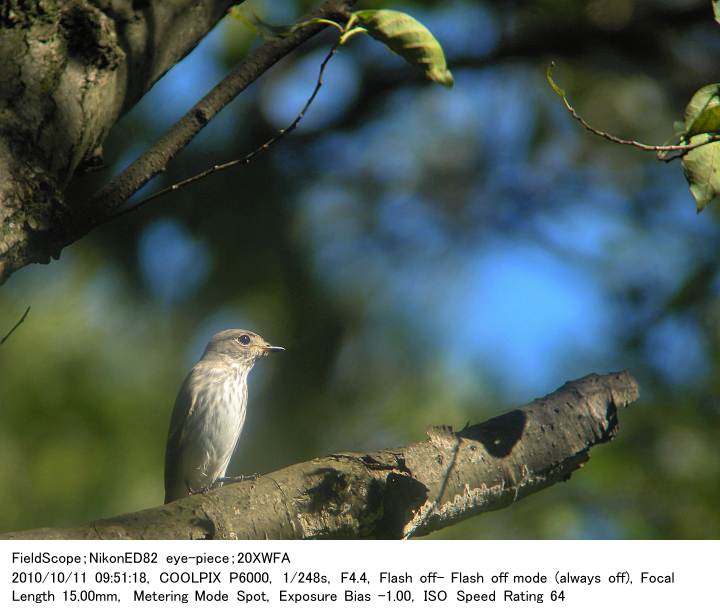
point(102, 206)
point(660, 150)
point(395, 493)
point(248, 157)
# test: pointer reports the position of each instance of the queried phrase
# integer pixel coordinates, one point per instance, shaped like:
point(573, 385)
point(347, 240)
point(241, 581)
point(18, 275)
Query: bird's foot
point(203, 490)
point(236, 479)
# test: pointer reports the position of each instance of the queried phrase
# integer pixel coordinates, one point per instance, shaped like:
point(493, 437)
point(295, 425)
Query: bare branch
point(61, 224)
point(154, 161)
point(394, 493)
point(660, 150)
point(59, 105)
point(248, 157)
point(18, 324)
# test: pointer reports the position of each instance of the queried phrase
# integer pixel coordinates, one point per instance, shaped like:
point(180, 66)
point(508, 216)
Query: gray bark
point(394, 493)
point(68, 70)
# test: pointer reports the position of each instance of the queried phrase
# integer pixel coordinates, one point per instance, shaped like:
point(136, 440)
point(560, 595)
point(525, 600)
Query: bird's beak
point(273, 349)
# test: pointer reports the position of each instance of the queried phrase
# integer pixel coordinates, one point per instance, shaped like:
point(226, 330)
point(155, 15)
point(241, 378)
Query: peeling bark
point(394, 493)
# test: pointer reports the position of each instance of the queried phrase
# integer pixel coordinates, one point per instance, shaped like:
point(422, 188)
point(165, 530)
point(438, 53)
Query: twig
point(105, 202)
point(18, 324)
point(248, 157)
point(660, 150)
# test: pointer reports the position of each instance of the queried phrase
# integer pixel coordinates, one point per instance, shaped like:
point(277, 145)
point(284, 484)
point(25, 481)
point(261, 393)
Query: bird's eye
point(244, 339)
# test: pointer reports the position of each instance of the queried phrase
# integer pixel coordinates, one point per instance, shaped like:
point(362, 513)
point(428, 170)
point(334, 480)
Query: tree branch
point(394, 493)
point(33, 229)
point(237, 161)
point(156, 158)
point(14, 327)
point(660, 150)
point(68, 72)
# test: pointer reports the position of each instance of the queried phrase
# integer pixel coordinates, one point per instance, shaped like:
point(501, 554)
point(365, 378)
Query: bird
point(209, 413)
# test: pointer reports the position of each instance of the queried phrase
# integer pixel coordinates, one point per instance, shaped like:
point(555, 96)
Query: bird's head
point(240, 345)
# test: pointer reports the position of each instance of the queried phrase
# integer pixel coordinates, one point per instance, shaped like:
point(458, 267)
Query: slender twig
point(18, 324)
point(119, 189)
point(248, 157)
point(660, 150)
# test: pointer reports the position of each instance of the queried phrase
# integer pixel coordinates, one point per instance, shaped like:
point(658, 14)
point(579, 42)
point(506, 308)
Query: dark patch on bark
point(329, 491)
point(500, 434)
point(206, 525)
point(24, 13)
point(89, 38)
point(403, 496)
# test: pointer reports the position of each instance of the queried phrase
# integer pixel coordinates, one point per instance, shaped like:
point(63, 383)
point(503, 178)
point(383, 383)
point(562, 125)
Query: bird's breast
point(221, 404)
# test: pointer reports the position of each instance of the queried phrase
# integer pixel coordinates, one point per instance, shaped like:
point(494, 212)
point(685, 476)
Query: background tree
point(423, 253)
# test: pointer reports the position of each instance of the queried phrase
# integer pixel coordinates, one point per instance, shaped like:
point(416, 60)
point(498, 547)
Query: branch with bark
point(394, 493)
point(69, 70)
point(67, 73)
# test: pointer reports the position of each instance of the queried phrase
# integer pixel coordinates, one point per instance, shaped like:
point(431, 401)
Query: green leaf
point(410, 39)
point(716, 10)
point(702, 114)
point(702, 171)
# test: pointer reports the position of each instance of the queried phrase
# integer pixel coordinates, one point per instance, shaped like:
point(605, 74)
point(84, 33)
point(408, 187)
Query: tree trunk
point(68, 70)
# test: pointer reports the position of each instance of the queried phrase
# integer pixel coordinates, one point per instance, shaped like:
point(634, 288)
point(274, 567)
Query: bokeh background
point(427, 256)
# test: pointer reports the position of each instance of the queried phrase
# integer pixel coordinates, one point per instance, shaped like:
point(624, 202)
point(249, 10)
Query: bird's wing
point(183, 409)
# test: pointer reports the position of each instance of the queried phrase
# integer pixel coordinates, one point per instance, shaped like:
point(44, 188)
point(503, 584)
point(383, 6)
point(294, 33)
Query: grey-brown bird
point(209, 413)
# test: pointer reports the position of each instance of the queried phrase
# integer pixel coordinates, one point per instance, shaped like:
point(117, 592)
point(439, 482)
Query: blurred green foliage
point(361, 243)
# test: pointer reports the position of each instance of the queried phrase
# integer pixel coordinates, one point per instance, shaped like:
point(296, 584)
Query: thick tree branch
point(156, 158)
point(394, 493)
point(237, 161)
point(35, 221)
point(68, 70)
